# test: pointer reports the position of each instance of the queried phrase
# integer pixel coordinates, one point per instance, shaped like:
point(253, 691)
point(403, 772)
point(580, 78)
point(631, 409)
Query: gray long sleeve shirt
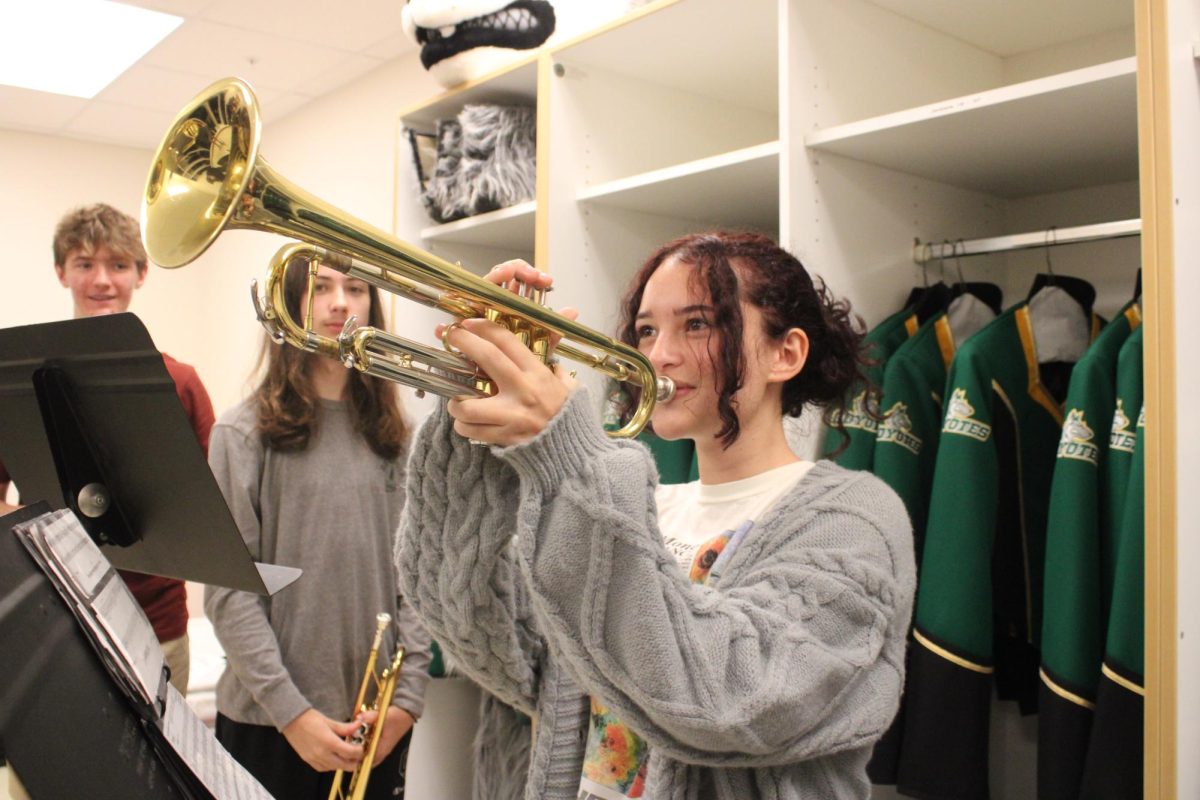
point(331, 510)
point(541, 568)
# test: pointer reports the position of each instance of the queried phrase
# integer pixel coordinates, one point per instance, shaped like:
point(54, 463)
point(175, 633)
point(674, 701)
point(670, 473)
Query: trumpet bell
point(208, 177)
point(200, 172)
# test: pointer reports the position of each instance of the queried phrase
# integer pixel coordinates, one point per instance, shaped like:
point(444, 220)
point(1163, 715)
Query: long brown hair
point(774, 281)
point(287, 404)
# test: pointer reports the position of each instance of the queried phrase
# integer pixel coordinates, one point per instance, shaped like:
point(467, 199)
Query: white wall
point(342, 148)
point(43, 177)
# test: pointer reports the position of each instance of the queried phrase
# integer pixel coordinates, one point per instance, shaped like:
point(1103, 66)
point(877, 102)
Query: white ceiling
point(293, 51)
point(290, 51)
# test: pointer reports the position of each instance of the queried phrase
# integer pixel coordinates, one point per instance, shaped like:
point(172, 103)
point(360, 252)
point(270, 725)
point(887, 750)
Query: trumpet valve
point(345, 343)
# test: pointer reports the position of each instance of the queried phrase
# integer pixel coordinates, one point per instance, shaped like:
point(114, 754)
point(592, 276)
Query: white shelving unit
point(479, 241)
point(908, 120)
point(847, 129)
point(516, 84)
point(736, 189)
point(1045, 135)
point(510, 228)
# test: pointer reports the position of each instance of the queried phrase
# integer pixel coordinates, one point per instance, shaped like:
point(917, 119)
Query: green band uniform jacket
point(1078, 554)
point(1114, 762)
point(978, 606)
point(905, 448)
point(914, 380)
point(879, 345)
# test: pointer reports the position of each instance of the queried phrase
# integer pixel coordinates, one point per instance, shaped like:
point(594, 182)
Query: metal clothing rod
point(930, 251)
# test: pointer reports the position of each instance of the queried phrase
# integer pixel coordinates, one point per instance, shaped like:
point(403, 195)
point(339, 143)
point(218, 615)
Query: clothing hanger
point(989, 293)
point(933, 299)
point(915, 294)
point(927, 300)
point(1137, 286)
point(1082, 291)
point(918, 293)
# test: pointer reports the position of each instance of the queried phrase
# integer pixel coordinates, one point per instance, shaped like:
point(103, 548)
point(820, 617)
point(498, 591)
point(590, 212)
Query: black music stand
point(89, 420)
point(68, 730)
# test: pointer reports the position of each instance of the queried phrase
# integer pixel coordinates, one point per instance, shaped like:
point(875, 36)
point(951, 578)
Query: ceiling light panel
point(75, 47)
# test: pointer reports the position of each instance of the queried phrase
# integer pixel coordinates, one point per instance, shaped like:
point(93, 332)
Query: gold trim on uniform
point(945, 340)
point(911, 324)
point(1134, 315)
point(1122, 682)
point(1064, 694)
point(1036, 390)
point(946, 654)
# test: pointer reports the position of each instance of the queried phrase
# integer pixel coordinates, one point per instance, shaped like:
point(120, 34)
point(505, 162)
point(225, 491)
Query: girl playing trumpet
point(738, 637)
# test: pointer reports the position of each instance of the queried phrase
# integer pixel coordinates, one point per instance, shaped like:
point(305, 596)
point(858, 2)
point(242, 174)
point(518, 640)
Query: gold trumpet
point(207, 176)
point(353, 785)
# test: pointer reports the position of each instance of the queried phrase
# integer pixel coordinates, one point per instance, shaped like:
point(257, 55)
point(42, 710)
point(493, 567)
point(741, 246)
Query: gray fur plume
point(502, 745)
point(486, 159)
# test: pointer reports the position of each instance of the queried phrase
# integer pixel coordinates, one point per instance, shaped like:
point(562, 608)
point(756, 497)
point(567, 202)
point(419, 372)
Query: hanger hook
point(958, 254)
point(926, 257)
point(1051, 240)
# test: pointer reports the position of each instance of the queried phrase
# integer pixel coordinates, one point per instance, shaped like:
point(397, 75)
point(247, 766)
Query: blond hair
point(90, 227)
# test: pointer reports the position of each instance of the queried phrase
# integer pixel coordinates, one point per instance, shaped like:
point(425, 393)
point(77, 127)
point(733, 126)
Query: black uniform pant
point(266, 755)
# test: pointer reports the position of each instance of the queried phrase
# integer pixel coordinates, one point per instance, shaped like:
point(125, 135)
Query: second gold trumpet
point(207, 177)
point(353, 785)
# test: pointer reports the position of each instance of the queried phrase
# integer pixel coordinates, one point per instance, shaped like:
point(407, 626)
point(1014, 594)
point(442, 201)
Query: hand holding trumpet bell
point(529, 393)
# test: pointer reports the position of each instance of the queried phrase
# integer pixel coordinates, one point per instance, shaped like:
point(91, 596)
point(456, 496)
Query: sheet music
point(130, 632)
point(82, 561)
point(99, 598)
point(205, 757)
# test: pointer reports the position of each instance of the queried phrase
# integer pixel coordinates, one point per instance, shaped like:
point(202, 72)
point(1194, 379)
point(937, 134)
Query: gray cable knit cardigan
point(540, 567)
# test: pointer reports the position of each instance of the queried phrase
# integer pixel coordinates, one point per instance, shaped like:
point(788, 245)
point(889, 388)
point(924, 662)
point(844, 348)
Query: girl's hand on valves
point(515, 272)
point(528, 392)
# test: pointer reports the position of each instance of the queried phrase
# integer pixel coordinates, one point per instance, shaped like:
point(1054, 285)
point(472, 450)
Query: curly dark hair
point(747, 266)
point(287, 404)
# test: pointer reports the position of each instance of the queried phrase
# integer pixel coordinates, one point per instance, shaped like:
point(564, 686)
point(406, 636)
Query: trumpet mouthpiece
point(666, 389)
